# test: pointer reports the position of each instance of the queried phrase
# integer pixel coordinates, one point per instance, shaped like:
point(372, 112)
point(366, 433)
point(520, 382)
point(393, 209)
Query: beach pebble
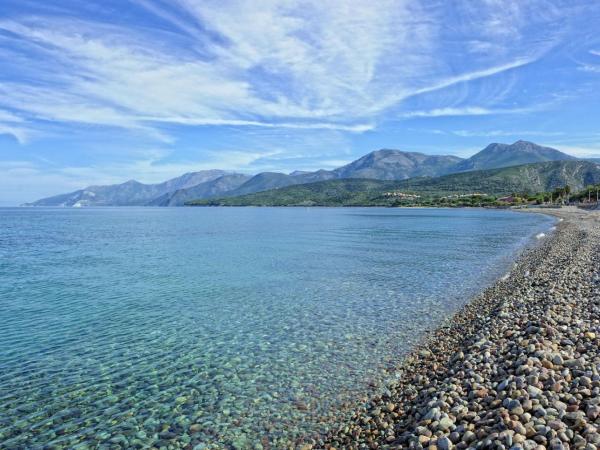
point(517, 368)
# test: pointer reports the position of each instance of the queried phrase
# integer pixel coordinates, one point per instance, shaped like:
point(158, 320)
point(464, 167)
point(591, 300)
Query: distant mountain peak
point(520, 152)
point(390, 164)
point(382, 164)
point(129, 193)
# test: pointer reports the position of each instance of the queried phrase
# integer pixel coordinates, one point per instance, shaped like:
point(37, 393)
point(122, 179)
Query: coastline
point(516, 367)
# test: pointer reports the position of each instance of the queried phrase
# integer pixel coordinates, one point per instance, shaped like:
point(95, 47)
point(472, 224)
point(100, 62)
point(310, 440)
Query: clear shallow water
point(222, 327)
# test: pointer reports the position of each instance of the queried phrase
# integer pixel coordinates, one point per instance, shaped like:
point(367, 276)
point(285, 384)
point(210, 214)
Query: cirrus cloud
point(298, 64)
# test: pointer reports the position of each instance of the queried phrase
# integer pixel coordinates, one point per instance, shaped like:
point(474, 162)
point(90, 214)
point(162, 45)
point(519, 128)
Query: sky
point(103, 91)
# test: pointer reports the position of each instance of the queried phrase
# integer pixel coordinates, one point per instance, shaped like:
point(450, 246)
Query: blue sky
point(104, 91)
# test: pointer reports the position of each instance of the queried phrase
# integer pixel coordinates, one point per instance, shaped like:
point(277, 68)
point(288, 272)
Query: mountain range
point(530, 178)
point(385, 164)
point(130, 193)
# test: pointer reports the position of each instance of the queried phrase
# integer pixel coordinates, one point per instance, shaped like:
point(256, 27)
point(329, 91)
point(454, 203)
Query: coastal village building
point(508, 199)
point(474, 194)
point(402, 195)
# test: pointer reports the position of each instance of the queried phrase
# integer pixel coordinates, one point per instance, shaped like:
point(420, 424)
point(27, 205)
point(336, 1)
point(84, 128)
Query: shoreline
point(508, 370)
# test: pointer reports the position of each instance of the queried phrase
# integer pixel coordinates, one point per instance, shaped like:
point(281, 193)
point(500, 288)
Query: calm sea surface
point(222, 327)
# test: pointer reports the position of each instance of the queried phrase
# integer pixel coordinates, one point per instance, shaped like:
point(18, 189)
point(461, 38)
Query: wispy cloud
point(590, 68)
point(464, 111)
point(23, 181)
point(21, 134)
point(7, 116)
point(108, 76)
point(306, 65)
point(475, 75)
point(358, 128)
point(591, 151)
point(13, 125)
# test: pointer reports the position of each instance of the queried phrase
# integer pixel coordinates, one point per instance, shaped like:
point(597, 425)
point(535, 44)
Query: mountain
point(532, 178)
point(208, 189)
point(340, 192)
point(504, 155)
point(311, 177)
point(388, 164)
point(275, 180)
point(191, 179)
point(130, 193)
point(382, 164)
point(264, 181)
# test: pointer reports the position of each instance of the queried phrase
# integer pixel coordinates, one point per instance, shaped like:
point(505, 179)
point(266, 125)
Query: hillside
point(344, 192)
point(380, 164)
point(130, 193)
point(273, 180)
point(526, 178)
point(208, 189)
point(530, 177)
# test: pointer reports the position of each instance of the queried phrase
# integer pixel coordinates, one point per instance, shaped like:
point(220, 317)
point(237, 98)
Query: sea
point(228, 328)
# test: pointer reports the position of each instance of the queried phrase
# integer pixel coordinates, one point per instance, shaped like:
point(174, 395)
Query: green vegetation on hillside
point(531, 178)
point(345, 192)
point(590, 193)
point(479, 188)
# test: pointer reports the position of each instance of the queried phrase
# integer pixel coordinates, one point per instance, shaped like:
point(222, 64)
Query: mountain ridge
point(390, 164)
point(532, 178)
point(497, 155)
point(207, 189)
point(383, 164)
point(129, 193)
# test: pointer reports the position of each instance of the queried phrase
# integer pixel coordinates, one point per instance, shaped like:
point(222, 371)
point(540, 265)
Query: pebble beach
point(516, 368)
point(171, 329)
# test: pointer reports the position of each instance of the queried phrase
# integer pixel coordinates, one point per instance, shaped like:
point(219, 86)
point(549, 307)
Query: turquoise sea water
point(222, 327)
